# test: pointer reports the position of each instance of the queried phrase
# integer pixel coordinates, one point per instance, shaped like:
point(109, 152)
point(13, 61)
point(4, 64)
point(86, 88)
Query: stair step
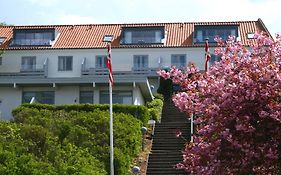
point(167, 149)
point(162, 171)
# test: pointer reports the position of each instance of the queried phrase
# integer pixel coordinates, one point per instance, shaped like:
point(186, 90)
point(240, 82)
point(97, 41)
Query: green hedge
point(86, 130)
point(155, 109)
point(34, 150)
point(138, 111)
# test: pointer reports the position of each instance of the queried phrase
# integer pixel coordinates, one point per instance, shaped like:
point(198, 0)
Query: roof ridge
point(121, 24)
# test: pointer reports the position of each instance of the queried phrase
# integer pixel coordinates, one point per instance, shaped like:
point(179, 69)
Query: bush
point(84, 129)
point(155, 109)
point(31, 149)
point(138, 111)
point(158, 96)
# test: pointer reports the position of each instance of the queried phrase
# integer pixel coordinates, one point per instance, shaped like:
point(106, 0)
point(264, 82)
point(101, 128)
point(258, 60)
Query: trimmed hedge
point(85, 129)
point(34, 150)
point(138, 111)
point(155, 109)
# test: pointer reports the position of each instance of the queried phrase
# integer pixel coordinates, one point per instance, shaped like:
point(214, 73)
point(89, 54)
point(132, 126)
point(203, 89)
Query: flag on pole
point(108, 63)
point(207, 54)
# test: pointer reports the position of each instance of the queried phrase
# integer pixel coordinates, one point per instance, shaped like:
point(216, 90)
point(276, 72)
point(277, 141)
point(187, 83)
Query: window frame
point(28, 67)
point(64, 68)
point(81, 97)
point(143, 32)
point(33, 37)
point(39, 94)
point(178, 64)
point(213, 28)
point(140, 61)
point(103, 62)
point(115, 94)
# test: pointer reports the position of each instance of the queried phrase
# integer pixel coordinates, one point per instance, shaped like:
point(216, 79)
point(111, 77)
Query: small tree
point(238, 109)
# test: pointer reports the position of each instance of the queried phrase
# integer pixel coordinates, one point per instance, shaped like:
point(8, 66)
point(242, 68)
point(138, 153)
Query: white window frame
point(101, 61)
point(63, 63)
point(28, 63)
point(140, 61)
point(176, 60)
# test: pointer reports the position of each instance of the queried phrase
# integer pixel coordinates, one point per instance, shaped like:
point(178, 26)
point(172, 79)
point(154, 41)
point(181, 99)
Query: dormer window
point(33, 37)
point(2, 39)
point(201, 32)
point(142, 35)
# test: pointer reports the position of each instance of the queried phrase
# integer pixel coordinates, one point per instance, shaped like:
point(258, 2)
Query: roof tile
point(91, 36)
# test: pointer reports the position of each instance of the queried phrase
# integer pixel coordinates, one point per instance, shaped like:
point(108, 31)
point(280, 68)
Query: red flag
point(207, 55)
point(108, 63)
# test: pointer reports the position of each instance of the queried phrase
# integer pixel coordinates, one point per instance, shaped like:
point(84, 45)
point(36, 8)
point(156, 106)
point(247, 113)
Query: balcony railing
point(26, 70)
point(104, 71)
point(86, 71)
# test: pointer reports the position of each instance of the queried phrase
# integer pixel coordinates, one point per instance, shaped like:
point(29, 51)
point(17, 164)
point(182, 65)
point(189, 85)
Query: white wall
point(122, 58)
point(10, 98)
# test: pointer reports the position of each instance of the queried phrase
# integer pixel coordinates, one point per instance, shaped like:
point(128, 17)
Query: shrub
point(85, 129)
point(155, 109)
point(138, 111)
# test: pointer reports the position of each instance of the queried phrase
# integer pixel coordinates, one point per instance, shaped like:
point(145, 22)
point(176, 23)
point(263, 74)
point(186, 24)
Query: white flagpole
point(111, 130)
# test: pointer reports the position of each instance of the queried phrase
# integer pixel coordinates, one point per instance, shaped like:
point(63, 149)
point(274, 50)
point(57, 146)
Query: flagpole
point(111, 130)
point(109, 66)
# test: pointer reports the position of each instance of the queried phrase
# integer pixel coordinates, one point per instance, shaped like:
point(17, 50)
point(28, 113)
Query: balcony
point(86, 70)
point(25, 70)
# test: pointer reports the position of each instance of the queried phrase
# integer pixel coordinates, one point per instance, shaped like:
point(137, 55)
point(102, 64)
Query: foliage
point(84, 132)
point(238, 109)
point(158, 96)
point(155, 109)
point(32, 149)
point(138, 111)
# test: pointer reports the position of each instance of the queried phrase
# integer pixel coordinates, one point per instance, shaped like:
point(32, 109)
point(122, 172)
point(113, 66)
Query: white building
point(65, 64)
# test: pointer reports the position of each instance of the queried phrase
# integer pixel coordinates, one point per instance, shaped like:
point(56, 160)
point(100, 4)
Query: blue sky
point(37, 12)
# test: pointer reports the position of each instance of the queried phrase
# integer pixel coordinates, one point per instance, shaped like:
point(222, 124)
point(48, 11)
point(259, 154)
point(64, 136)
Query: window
point(250, 35)
point(142, 35)
point(28, 63)
point(214, 58)
point(140, 61)
point(101, 61)
point(33, 37)
point(121, 97)
point(210, 32)
point(65, 63)
point(86, 97)
point(44, 97)
point(178, 60)
point(0, 61)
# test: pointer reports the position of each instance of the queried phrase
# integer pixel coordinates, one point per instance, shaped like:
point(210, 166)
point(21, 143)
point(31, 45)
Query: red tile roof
point(91, 36)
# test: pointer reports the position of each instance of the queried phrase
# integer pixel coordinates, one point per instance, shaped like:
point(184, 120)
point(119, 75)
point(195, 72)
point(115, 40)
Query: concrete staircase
point(166, 147)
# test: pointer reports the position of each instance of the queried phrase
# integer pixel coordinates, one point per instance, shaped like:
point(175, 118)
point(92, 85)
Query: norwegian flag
point(108, 63)
point(207, 54)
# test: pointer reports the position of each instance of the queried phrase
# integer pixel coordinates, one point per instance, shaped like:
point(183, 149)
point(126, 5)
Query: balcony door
point(140, 62)
point(28, 63)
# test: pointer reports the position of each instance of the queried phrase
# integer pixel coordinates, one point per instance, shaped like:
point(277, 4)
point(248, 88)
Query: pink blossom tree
point(237, 105)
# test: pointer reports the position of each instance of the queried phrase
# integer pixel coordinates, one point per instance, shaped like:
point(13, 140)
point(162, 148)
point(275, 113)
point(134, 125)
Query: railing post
point(83, 66)
point(45, 67)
